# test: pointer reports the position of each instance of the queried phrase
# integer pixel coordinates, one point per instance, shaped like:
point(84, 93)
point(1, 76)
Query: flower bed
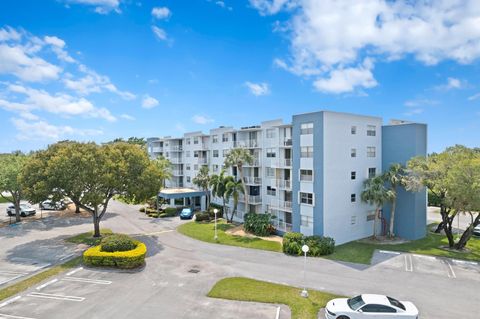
point(120, 259)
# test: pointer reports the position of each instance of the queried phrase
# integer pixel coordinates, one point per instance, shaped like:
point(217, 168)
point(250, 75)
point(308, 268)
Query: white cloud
point(474, 97)
point(161, 13)
point(160, 34)
point(101, 6)
point(149, 102)
point(201, 119)
point(414, 112)
point(331, 35)
point(42, 130)
point(420, 102)
point(452, 84)
point(223, 5)
point(127, 117)
point(58, 46)
point(258, 89)
point(9, 33)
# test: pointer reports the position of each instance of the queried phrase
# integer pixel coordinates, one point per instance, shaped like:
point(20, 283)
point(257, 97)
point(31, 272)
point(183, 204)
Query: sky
point(96, 70)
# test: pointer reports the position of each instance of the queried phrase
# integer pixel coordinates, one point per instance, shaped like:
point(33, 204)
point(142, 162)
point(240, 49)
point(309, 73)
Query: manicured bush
point(163, 215)
point(120, 259)
point(202, 217)
point(170, 211)
point(142, 210)
point(318, 246)
point(212, 213)
point(117, 242)
point(258, 224)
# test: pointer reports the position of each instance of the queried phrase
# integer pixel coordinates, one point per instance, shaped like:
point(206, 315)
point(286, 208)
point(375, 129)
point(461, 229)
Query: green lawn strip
point(358, 252)
point(244, 289)
point(88, 239)
point(38, 278)
point(205, 231)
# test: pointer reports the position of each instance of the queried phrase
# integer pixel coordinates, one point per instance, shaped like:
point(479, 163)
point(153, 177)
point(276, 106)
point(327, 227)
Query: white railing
point(176, 148)
point(252, 199)
point(282, 226)
point(279, 162)
point(283, 183)
point(256, 162)
point(202, 160)
point(177, 173)
point(247, 143)
point(252, 180)
point(175, 160)
point(281, 205)
point(157, 149)
point(287, 142)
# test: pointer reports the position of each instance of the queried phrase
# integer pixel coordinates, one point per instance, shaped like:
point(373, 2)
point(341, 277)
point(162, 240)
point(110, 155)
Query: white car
point(476, 231)
point(25, 210)
point(51, 205)
point(370, 306)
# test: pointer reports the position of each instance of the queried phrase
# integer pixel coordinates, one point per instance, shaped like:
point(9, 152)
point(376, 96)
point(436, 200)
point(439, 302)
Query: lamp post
point(304, 292)
point(215, 211)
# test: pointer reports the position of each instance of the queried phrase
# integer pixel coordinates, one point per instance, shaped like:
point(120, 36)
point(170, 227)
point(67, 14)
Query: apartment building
point(309, 173)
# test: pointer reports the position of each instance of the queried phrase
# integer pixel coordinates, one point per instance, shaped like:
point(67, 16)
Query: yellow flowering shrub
point(121, 259)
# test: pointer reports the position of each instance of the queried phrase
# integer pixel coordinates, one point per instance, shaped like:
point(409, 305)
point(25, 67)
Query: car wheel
point(9, 213)
point(23, 215)
point(343, 317)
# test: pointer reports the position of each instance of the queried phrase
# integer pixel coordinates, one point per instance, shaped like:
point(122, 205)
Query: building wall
point(400, 143)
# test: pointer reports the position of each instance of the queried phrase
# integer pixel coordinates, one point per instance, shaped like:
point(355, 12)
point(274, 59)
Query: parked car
point(187, 213)
point(51, 205)
point(476, 231)
point(25, 210)
point(370, 306)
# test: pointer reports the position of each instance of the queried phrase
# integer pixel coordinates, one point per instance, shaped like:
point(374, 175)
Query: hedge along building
point(309, 174)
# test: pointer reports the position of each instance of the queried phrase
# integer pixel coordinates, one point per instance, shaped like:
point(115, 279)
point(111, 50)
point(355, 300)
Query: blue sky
point(101, 69)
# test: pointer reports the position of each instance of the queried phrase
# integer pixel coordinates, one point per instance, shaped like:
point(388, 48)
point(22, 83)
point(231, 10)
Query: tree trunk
point(77, 209)
point(467, 234)
point(247, 205)
point(224, 208)
point(439, 228)
point(17, 209)
point(375, 220)
point(392, 218)
point(96, 224)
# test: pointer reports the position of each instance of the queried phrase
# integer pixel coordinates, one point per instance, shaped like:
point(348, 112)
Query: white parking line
point(277, 316)
point(86, 280)
point(473, 263)
point(7, 272)
point(74, 271)
point(9, 301)
point(10, 279)
point(408, 263)
point(67, 256)
point(451, 273)
point(3, 316)
point(47, 284)
point(389, 252)
point(56, 297)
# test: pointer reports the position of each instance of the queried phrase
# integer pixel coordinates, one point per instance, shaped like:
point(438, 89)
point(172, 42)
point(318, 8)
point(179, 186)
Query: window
point(196, 153)
point(166, 154)
point(270, 171)
point(270, 133)
point(271, 152)
point(188, 141)
point(353, 130)
point(188, 179)
point(371, 130)
point(214, 138)
point(370, 216)
point(353, 175)
point(306, 221)
point(215, 153)
point(371, 308)
point(187, 167)
point(353, 152)
point(271, 191)
point(372, 172)
point(306, 128)
point(306, 198)
point(215, 168)
point(187, 154)
point(195, 140)
point(195, 167)
point(225, 153)
point(225, 137)
point(353, 198)
point(306, 175)
point(396, 303)
point(370, 151)
point(306, 151)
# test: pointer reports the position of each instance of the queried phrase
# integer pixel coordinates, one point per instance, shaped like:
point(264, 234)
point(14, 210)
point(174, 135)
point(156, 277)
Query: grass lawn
point(244, 289)
point(88, 239)
point(206, 231)
point(38, 278)
point(2, 200)
point(358, 252)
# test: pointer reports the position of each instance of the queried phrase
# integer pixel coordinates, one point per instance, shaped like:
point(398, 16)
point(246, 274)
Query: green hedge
point(170, 212)
point(117, 242)
point(318, 246)
point(202, 217)
point(119, 259)
point(258, 224)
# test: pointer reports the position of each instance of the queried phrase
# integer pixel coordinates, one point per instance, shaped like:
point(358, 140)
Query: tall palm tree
point(234, 189)
point(395, 177)
point(165, 167)
point(375, 193)
point(238, 157)
point(219, 187)
point(202, 180)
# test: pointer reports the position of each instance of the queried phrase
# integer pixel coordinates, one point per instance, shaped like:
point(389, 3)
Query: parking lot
point(437, 266)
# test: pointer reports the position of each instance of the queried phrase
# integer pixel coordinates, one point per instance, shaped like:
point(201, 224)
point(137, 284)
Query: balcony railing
point(176, 148)
point(252, 199)
point(175, 160)
point(157, 149)
point(202, 160)
point(282, 226)
point(247, 143)
point(284, 183)
point(252, 180)
point(281, 205)
point(177, 173)
point(287, 142)
point(256, 162)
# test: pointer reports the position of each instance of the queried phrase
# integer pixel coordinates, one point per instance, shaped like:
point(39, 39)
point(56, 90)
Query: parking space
point(437, 266)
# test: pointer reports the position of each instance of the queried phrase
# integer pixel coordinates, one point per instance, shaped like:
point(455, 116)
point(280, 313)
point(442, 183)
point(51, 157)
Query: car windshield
point(355, 302)
point(396, 303)
point(25, 206)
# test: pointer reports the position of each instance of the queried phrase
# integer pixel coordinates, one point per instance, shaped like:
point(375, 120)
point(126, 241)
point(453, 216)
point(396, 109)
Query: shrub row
point(258, 224)
point(152, 212)
point(208, 216)
point(318, 246)
point(120, 259)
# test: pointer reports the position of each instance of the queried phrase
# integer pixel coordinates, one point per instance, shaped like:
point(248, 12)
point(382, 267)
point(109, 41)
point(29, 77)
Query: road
point(461, 222)
point(167, 287)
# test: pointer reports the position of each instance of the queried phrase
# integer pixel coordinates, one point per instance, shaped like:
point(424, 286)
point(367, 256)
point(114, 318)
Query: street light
point(304, 292)
point(215, 211)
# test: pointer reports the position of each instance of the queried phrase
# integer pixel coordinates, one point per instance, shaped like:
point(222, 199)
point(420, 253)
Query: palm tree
point(202, 180)
point(234, 189)
point(375, 193)
point(238, 157)
point(219, 187)
point(165, 168)
point(395, 178)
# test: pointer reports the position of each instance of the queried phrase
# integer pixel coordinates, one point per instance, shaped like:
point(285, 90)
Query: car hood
point(410, 308)
point(185, 213)
point(338, 305)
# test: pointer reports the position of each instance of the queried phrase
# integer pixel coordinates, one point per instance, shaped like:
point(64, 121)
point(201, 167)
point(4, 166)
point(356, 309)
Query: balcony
point(280, 162)
point(177, 173)
point(247, 143)
point(157, 149)
point(255, 163)
point(175, 160)
point(287, 142)
point(176, 148)
point(252, 199)
point(202, 160)
point(284, 183)
point(285, 206)
point(252, 180)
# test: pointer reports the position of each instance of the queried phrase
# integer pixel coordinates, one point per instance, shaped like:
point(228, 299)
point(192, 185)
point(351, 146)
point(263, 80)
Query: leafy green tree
point(91, 174)
point(233, 189)
point(202, 181)
point(238, 157)
point(11, 167)
point(395, 179)
point(375, 193)
point(219, 188)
